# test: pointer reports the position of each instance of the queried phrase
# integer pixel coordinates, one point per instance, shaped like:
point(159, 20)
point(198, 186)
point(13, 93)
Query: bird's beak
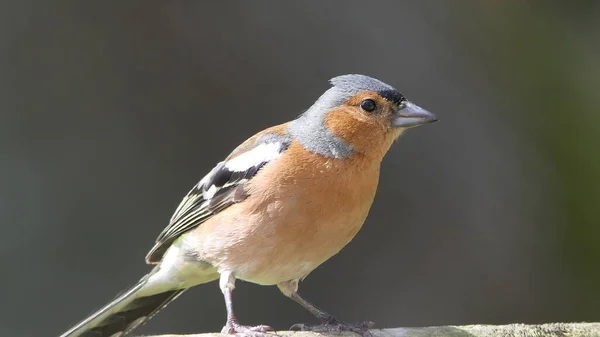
point(411, 115)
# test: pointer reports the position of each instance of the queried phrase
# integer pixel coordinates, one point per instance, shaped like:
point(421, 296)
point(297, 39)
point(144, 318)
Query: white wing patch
point(208, 194)
point(261, 154)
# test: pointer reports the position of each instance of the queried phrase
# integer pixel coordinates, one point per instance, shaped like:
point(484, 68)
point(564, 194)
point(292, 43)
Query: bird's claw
point(232, 328)
point(334, 325)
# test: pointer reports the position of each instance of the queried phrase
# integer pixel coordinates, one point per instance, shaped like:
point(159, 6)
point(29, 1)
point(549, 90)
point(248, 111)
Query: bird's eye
point(368, 105)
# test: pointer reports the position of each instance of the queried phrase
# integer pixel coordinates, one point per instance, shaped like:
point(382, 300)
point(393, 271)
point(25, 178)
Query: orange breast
point(301, 211)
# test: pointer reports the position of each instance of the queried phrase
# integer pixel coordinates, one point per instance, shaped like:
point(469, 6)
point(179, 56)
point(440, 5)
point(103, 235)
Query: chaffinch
point(283, 202)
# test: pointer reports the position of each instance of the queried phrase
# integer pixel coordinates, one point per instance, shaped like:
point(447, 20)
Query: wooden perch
point(511, 330)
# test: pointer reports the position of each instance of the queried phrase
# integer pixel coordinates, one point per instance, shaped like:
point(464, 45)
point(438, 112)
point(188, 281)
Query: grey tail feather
point(125, 313)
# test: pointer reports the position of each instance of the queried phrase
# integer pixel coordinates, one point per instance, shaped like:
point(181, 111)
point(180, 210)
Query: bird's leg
point(328, 322)
point(227, 284)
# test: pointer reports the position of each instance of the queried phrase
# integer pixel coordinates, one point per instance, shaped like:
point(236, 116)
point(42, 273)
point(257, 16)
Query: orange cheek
point(368, 137)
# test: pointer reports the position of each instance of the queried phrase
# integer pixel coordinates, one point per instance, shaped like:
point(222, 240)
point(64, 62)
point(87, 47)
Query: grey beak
point(411, 115)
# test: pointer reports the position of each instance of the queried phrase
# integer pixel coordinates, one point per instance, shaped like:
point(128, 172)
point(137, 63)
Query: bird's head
point(357, 114)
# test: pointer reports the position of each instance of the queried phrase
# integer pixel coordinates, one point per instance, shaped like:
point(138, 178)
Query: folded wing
point(223, 186)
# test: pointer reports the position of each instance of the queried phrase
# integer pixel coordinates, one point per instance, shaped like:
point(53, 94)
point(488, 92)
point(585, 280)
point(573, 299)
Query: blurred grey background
point(110, 111)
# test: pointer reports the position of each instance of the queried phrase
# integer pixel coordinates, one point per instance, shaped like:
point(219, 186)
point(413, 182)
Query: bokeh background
point(110, 111)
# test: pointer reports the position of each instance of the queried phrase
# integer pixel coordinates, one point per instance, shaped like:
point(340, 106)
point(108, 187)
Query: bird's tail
point(125, 313)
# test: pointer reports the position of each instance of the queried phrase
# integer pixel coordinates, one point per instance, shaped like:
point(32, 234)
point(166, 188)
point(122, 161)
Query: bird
point(281, 204)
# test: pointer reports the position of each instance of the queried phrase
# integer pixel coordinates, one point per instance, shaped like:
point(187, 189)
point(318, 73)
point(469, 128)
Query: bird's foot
point(232, 328)
point(334, 325)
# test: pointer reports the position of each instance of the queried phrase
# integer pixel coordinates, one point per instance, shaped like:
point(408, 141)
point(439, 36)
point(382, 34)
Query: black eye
point(368, 105)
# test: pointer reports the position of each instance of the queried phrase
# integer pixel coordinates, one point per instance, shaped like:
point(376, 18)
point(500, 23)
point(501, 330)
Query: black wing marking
point(223, 186)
